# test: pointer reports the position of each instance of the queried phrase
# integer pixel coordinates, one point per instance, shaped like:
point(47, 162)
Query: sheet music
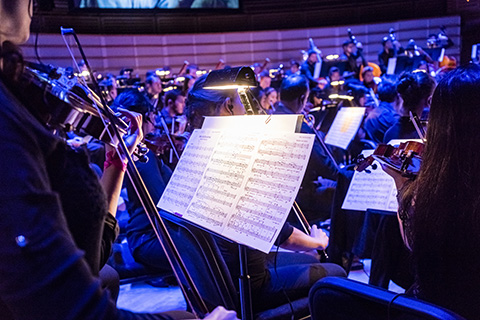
point(374, 190)
point(247, 184)
point(345, 126)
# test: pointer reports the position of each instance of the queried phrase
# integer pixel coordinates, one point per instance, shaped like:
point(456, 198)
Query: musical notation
point(279, 164)
point(282, 154)
point(211, 216)
point(283, 143)
point(374, 190)
point(243, 184)
point(271, 185)
point(277, 175)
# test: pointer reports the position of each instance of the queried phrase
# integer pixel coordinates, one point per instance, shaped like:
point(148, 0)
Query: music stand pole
point(244, 285)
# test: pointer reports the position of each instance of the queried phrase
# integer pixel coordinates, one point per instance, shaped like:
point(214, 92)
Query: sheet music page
point(374, 190)
point(345, 126)
point(247, 184)
point(272, 184)
point(185, 179)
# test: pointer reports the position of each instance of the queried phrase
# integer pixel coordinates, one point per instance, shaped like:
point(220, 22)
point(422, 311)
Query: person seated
point(369, 79)
point(172, 113)
point(415, 90)
point(270, 99)
point(264, 79)
point(438, 211)
point(294, 68)
point(108, 85)
point(295, 273)
point(153, 91)
point(381, 118)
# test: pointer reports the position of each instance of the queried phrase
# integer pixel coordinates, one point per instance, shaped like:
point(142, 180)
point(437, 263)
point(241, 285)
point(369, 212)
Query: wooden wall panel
point(110, 53)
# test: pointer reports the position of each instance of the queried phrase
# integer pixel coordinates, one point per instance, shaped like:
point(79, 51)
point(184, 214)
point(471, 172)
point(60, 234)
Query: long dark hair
point(441, 208)
point(413, 87)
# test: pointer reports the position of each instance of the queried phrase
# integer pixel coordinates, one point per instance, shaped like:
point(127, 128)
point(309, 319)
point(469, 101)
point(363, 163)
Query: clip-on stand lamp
point(241, 79)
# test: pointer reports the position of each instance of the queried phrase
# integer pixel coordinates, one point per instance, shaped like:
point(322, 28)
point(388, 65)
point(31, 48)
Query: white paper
point(371, 189)
point(345, 127)
point(247, 186)
point(392, 65)
point(277, 122)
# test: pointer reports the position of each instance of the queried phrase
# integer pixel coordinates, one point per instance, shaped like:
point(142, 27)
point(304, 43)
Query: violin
point(63, 104)
point(159, 143)
point(406, 159)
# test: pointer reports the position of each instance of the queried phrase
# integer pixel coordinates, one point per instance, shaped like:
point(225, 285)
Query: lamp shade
point(233, 78)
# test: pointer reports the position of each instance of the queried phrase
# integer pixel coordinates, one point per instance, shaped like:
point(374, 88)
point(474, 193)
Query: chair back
point(340, 298)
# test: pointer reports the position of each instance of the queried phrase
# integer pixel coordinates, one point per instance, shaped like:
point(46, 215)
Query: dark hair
point(413, 87)
point(173, 95)
point(190, 67)
point(357, 90)
point(152, 78)
point(293, 87)
point(332, 70)
point(269, 91)
point(264, 74)
point(204, 102)
point(441, 208)
point(387, 90)
point(132, 100)
point(317, 93)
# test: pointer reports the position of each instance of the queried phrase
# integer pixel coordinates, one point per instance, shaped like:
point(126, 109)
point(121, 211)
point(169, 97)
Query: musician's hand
point(320, 236)
point(220, 313)
point(397, 176)
point(135, 132)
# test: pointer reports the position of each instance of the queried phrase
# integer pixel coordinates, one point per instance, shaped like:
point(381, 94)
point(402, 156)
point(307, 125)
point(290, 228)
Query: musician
point(44, 273)
point(153, 91)
point(369, 79)
point(109, 86)
point(308, 68)
point(382, 118)
point(294, 68)
point(390, 50)
point(438, 211)
point(415, 90)
point(295, 272)
point(264, 79)
point(271, 98)
point(173, 111)
point(351, 54)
